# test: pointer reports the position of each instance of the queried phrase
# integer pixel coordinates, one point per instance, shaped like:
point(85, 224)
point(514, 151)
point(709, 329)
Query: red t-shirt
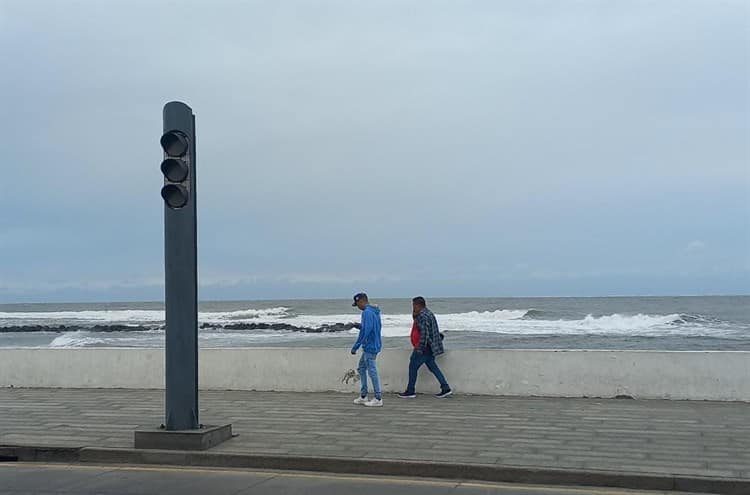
point(414, 335)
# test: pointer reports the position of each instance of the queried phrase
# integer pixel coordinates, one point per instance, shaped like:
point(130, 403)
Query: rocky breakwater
point(281, 327)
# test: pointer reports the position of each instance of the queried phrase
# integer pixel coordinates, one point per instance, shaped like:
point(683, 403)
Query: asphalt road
point(32, 478)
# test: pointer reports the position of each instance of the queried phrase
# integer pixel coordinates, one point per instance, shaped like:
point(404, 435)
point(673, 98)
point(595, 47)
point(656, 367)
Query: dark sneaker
point(444, 393)
point(407, 395)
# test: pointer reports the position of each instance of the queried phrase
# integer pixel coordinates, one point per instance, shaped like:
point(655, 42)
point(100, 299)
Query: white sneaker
point(361, 400)
point(374, 403)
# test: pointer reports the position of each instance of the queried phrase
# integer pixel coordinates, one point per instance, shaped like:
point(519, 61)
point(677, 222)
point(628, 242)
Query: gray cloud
point(436, 145)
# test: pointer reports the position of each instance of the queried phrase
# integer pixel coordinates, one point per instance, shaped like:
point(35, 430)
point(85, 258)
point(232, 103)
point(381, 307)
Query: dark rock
point(280, 327)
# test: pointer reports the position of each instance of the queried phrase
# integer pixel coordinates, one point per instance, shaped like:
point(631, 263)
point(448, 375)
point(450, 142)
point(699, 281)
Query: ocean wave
point(618, 322)
point(244, 314)
point(76, 328)
point(399, 325)
point(281, 320)
point(75, 340)
point(535, 314)
point(614, 324)
point(699, 319)
point(126, 315)
point(500, 314)
point(133, 316)
point(155, 339)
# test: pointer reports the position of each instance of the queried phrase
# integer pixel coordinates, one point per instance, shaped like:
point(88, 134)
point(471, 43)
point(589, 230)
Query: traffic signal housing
point(176, 169)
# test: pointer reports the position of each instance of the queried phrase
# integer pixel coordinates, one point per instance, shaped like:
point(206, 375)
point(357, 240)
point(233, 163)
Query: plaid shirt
point(429, 333)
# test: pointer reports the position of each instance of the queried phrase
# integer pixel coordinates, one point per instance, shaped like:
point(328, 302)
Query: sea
point(649, 323)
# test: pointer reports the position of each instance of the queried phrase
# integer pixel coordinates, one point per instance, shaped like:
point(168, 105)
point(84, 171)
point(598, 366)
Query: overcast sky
point(443, 148)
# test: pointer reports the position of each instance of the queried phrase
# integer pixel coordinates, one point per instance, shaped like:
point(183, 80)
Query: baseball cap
point(358, 297)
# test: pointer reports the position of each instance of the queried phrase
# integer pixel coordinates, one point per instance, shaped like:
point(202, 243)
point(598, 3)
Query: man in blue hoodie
point(371, 343)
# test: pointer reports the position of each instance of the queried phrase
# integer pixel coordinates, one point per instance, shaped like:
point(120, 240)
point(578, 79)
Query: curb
point(11, 453)
point(407, 468)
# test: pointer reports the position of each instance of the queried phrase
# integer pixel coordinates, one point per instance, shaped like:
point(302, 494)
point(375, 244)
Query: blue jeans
point(367, 365)
point(416, 361)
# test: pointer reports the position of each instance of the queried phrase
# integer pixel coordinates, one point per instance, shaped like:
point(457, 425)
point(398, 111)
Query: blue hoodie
point(369, 332)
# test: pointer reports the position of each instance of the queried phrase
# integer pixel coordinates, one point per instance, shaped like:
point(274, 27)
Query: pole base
point(200, 439)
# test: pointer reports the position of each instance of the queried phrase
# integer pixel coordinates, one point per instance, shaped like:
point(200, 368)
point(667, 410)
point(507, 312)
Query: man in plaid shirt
point(430, 345)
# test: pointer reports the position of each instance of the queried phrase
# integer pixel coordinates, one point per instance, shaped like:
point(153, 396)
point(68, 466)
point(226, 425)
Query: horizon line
point(381, 298)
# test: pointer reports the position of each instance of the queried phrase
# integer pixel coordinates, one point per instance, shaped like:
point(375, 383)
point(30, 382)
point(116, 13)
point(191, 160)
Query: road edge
point(383, 467)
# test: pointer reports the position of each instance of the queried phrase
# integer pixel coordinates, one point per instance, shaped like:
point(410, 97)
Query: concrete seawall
point(694, 375)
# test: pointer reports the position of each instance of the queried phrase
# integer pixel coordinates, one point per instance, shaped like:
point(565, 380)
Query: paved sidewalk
point(710, 439)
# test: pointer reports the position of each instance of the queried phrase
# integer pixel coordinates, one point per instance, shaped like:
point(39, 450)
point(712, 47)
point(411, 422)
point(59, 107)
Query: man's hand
point(358, 326)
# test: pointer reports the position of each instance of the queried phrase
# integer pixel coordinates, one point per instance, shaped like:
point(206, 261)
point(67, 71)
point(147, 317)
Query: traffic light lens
point(174, 143)
point(174, 170)
point(174, 195)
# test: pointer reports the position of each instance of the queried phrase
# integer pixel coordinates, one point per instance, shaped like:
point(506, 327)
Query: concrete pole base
point(201, 439)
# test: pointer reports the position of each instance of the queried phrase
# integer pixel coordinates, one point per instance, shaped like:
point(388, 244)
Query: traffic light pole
point(181, 430)
point(181, 283)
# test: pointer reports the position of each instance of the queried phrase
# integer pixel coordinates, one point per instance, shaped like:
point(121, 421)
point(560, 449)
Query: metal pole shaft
point(181, 290)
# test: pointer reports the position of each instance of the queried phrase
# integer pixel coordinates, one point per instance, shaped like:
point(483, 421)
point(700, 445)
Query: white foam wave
point(627, 323)
point(513, 322)
point(132, 316)
point(500, 314)
point(501, 321)
point(242, 315)
point(399, 325)
point(75, 339)
point(155, 338)
point(53, 317)
point(82, 338)
point(614, 324)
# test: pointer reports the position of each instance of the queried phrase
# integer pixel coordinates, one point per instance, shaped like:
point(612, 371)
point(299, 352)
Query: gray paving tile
point(698, 438)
